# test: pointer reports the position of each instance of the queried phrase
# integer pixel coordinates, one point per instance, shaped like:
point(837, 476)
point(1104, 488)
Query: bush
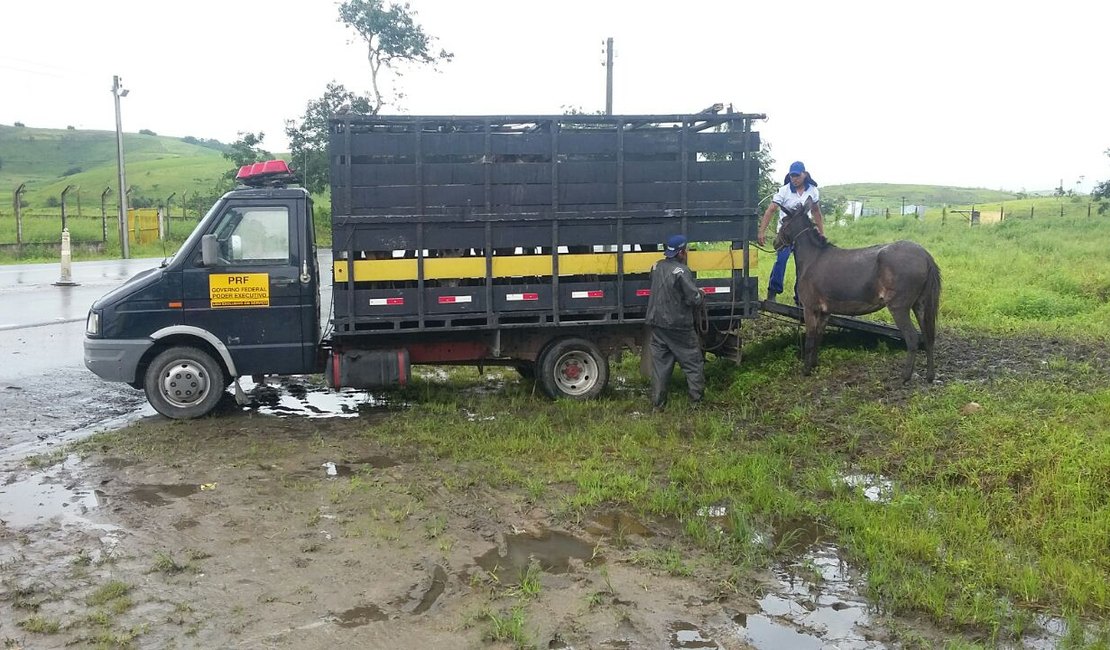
point(146, 132)
point(71, 171)
point(19, 124)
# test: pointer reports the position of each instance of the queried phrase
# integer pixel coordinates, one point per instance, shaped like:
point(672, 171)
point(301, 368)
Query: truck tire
point(184, 383)
point(573, 368)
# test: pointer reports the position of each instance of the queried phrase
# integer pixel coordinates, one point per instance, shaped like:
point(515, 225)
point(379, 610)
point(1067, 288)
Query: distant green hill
point(48, 160)
point(887, 194)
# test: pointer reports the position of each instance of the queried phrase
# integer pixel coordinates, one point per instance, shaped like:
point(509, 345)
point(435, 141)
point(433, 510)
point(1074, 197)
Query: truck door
point(256, 299)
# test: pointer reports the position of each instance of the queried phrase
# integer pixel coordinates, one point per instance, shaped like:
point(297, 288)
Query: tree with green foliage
point(1101, 193)
point(308, 140)
point(392, 38)
point(245, 151)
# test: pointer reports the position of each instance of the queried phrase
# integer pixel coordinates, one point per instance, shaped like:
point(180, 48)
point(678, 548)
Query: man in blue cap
point(796, 188)
point(670, 313)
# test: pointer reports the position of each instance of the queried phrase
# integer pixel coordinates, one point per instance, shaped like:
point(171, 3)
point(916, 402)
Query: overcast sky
point(966, 93)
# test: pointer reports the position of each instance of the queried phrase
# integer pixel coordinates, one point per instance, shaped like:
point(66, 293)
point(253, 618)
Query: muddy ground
point(248, 538)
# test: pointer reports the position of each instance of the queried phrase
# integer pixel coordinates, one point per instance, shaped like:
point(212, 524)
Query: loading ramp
point(842, 322)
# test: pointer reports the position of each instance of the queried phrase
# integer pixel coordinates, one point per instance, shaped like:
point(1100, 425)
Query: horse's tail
point(930, 300)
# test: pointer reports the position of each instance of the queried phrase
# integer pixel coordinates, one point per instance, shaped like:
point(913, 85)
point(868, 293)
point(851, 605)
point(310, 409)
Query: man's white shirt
point(791, 200)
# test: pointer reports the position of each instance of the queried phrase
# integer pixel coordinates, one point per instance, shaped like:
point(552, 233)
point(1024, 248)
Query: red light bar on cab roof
point(262, 168)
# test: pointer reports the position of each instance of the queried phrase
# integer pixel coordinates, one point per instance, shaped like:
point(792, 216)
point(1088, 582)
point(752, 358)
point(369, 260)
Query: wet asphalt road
point(47, 396)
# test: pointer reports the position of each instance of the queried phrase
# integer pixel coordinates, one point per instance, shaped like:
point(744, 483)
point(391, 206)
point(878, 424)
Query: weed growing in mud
point(108, 592)
point(49, 459)
point(26, 597)
point(436, 527)
point(529, 586)
point(509, 626)
point(165, 563)
point(40, 625)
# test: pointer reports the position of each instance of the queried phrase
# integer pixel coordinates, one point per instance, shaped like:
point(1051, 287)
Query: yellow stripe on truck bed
point(510, 266)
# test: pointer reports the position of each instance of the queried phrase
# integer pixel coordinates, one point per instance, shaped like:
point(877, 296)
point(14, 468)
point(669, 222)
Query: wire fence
point(42, 228)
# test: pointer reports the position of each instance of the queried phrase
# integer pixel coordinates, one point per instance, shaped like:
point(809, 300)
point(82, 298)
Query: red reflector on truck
point(587, 294)
point(386, 302)
point(447, 300)
point(643, 293)
point(517, 297)
point(716, 289)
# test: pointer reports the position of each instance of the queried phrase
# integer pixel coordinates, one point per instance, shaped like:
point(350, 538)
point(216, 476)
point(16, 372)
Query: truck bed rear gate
point(456, 223)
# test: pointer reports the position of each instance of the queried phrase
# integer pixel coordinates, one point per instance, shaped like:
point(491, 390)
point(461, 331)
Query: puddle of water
point(817, 601)
point(765, 633)
point(617, 522)
point(160, 495)
point(353, 467)
point(875, 488)
point(437, 375)
point(685, 635)
point(553, 550)
point(289, 397)
point(51, 495)
point(795, 536)
point(474, 417)
point(359, 616)
point(435, 590)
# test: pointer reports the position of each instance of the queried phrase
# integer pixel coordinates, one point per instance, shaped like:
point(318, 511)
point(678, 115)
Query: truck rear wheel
point(183, 383)
point(573, 368)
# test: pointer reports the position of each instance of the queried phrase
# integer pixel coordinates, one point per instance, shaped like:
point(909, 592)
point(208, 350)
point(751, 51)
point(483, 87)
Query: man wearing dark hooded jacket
point(670, 313)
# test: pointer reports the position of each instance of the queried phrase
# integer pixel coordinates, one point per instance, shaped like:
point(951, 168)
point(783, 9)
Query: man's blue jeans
point(778, 272)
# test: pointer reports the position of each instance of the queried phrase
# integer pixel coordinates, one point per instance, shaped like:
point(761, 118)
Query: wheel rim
point(576, 373)
point(185, 382)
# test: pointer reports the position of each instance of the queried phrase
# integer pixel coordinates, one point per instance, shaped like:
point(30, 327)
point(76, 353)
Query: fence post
point(64, 193)
point(17, 203)
point(1088, 209)
point(1030, 212)
point(943, 214)
point(104, 214)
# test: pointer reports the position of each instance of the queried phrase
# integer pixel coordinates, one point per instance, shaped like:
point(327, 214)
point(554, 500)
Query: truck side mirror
point(209, 250)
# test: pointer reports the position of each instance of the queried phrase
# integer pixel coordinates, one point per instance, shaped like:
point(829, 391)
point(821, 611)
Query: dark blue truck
point(484, 240)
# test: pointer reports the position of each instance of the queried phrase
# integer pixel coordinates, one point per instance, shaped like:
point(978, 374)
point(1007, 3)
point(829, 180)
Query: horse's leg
point(909, 333)
point(815, 327)
point(927, 338)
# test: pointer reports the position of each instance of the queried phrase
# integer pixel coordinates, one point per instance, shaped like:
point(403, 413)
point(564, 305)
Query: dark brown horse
point(851, 281)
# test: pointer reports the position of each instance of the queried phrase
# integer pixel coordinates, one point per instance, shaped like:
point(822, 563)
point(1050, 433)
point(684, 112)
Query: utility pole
point(117, 92)
point(609, 76)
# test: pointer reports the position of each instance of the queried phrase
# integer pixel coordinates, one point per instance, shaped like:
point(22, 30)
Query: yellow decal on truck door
point(239, 290)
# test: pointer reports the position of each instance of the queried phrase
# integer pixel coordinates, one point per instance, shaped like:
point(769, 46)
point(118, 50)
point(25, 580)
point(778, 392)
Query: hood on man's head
point(675, 244)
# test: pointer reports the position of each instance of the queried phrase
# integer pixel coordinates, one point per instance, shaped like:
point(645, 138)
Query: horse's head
point(794, 222)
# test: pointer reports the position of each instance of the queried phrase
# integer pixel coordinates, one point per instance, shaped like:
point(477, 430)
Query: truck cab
point(241, 297)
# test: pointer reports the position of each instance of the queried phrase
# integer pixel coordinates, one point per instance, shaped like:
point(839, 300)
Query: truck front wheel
point(184, 383)
point(573, 368)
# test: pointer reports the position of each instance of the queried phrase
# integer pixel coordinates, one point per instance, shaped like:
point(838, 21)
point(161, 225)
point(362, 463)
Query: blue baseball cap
point(674, 244)
point(797, 167)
